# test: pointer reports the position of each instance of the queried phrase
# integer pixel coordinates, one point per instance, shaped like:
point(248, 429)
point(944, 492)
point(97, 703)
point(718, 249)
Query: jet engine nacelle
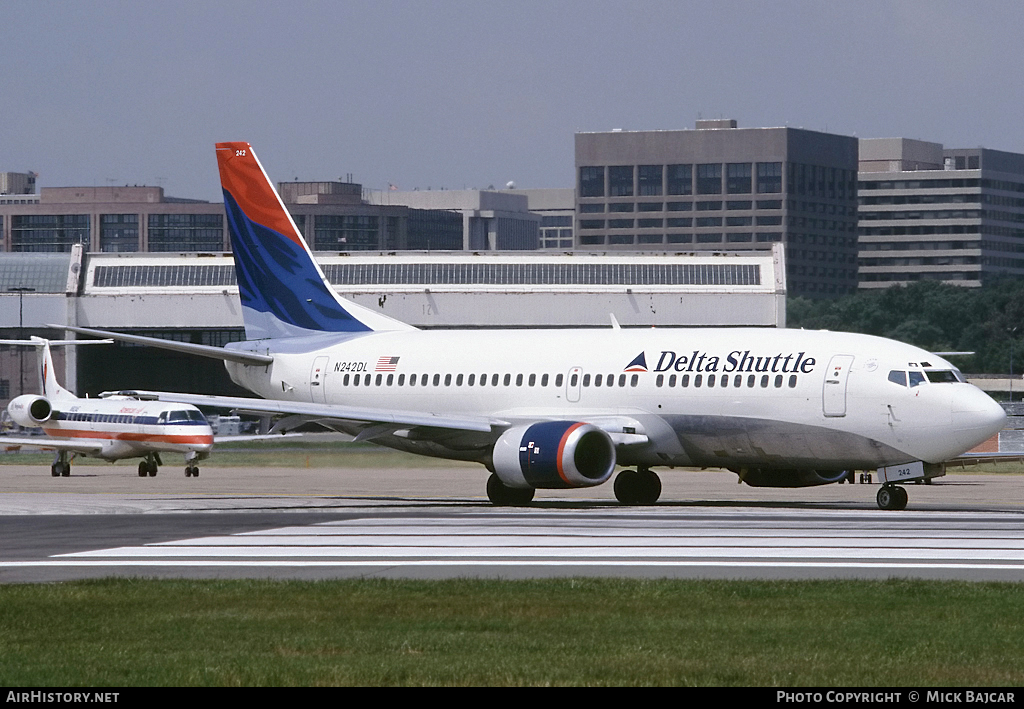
point(30, 410)
point(554, 454)
point(789, 477)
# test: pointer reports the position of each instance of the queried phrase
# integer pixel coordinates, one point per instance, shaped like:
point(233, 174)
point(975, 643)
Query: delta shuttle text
point(744, 362)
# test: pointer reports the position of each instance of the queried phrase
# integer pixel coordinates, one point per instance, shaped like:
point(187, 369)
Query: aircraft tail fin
point(47, 374)
point(283, 290)
point(48, 384)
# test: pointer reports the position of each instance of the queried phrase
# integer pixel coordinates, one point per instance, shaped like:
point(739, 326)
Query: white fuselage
point(709, 397)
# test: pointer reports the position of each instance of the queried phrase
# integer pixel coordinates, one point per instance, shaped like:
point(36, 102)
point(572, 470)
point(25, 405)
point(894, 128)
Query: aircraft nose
point(976, 415)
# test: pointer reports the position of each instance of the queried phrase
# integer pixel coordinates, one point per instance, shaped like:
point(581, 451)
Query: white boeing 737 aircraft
point(111, 428)
point(562, 408)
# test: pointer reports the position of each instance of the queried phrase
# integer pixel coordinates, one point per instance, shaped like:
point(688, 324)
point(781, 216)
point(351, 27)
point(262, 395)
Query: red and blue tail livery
point(284, 292)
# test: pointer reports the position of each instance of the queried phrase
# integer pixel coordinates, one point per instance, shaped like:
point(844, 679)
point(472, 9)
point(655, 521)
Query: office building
point(111, 219)
point(721, 188)
point(930, 213)
point(492, 220)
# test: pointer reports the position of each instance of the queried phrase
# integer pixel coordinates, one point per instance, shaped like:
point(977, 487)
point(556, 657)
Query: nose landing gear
point(891, 497)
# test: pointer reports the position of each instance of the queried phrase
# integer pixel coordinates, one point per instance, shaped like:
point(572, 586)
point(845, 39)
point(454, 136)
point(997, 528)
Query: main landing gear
point(61, 467)
point(637, 487)
point(149, 465)
point(501, 495)
point(891, 497)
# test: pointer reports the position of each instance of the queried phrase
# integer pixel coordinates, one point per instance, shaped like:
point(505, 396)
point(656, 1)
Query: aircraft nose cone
point(976, 416)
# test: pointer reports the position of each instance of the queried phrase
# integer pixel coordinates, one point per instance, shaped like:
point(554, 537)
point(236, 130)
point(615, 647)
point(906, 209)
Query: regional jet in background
point(110, 428)
point(563, 408)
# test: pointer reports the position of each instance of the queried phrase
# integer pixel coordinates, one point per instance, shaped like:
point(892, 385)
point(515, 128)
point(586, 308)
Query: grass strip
point(139, 632)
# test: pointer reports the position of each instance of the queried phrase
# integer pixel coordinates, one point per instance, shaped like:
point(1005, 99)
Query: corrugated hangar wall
point(193, 297)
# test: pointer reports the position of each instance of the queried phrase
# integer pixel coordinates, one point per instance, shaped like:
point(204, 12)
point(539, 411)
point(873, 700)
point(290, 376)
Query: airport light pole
point(21, 291)
point(1012, 331)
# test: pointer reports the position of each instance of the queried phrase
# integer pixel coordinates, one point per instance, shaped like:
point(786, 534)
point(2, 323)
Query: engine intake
point(30, 410)
point(554, 454)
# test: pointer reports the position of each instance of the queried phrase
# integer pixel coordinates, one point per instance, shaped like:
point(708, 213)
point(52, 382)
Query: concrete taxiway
point(435, 522)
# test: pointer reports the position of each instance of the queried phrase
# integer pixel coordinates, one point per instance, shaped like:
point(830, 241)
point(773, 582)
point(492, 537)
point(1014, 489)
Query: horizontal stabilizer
point(221, 353)
point(39, 342)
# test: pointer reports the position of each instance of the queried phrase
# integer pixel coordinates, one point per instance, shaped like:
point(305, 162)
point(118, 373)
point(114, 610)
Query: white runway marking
point(630, 538)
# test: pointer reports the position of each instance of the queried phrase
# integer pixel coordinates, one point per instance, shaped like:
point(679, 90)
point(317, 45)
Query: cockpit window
point(941, 376)
point(916, 378)
point(898, 377)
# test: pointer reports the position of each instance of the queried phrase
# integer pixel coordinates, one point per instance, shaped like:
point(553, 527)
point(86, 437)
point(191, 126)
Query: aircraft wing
point(387, 418)
point(982, 458)
point(79, 445)
point(246, 438)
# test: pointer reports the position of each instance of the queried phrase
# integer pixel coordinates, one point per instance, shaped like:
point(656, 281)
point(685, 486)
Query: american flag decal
point(386, 364)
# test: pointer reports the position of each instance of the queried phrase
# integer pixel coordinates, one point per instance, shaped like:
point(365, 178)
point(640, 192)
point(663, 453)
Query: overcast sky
point(453, 94)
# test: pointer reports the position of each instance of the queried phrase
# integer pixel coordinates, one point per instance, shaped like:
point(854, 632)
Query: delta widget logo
point(639, 364)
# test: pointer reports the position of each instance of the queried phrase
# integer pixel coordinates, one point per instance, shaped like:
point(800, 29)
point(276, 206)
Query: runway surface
point(966, 527)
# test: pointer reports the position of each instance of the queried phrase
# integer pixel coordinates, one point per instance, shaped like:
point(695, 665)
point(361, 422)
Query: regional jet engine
point(30, 410)
point(554, 454)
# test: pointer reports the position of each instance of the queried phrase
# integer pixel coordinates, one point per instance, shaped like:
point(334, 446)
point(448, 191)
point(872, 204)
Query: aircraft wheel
point(55, 471)
point(501, 495)
point(637, 487)
point(65, 470)
point(151, 468)
point(195, 471)
point(625, 487)
point(651, 487)
point(143, 469)
point(901, 498)
point(891, 498)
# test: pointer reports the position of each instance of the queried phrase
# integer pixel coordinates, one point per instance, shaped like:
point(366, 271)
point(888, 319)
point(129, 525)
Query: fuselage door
point(317, 390)
point(833, 396)
point(572, 384)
